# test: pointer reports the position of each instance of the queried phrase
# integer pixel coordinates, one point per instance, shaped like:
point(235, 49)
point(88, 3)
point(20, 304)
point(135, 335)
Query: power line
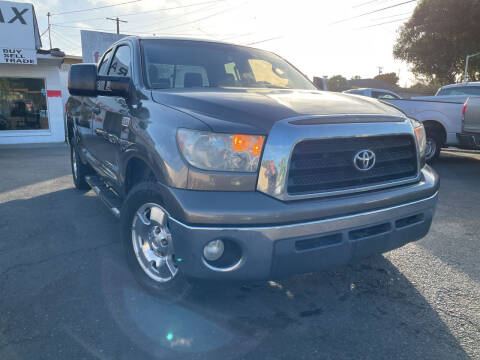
point(72, 44)
point(149, 26)
point(391, 16)
point(372, 12)
point(235, 36)
point(384, 23)
point(81, 28)
point(200, 19)
point(96, 8)
point(365, 3)
point(262, 41)
point(74, 28)
point(67, 27)
point(146, 12)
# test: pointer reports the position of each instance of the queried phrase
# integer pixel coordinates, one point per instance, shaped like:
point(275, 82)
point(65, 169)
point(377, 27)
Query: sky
point(320, 37)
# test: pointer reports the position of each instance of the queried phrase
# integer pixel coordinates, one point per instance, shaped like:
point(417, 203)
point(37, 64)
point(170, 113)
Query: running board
point(105, 194)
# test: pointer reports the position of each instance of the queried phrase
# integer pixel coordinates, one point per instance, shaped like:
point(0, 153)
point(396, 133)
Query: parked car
point(442, 118)
point(460, 89)
point(471, 123)
point(4, 123)
point(374, 93)
point(459, 92)
point(242, 171)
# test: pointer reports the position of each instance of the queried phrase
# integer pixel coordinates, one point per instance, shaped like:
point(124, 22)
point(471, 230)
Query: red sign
point(54, 93)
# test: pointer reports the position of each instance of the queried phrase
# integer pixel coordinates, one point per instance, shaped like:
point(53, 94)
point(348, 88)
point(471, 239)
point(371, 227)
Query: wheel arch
point(69, 130)
point(436, 126)
point(137, 169)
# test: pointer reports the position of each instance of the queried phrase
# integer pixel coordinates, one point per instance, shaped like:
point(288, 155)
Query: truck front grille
point(325, 165)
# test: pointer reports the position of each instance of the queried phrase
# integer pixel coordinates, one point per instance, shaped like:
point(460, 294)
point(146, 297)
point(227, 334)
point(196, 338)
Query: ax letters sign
point(19, 38)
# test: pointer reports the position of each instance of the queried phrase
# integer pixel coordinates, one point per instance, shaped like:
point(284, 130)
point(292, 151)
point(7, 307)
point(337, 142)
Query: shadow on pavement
point(453, 237)
point(66, 293)
point(30, 165)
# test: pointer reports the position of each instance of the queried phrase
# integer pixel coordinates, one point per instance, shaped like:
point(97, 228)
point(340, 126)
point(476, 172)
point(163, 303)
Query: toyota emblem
point(364, 160)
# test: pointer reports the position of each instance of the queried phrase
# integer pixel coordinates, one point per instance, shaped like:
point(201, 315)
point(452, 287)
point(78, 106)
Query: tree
point(390, 78)
point(420, 86)
point(438, 37)
point(423, 84)
point(337, 83)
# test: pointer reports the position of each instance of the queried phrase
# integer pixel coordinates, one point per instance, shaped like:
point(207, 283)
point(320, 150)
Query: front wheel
point(149, 245)
point(434, 145)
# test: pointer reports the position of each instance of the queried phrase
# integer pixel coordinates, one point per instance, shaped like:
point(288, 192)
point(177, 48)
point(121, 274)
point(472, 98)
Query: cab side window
point(120, 65)
point(383, 95)
point(102, 68)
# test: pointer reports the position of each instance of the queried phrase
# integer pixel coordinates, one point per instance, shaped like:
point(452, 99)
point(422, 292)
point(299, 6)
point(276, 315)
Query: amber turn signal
point(248, 143)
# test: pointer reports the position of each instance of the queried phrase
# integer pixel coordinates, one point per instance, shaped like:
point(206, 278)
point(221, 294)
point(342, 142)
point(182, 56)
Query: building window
point(23, 104)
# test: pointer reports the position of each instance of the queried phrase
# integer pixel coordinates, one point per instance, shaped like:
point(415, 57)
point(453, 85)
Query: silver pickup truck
point(224, 162)
point(471, 123)
point(443, 118)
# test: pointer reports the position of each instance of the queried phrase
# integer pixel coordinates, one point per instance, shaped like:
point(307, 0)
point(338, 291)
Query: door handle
point(100, 132)
point(126, 121)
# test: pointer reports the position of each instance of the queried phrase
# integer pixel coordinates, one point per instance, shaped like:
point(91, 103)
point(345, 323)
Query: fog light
point(213, 250)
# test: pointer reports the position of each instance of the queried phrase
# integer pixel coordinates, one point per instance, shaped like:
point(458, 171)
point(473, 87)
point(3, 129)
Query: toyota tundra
point(225, 162)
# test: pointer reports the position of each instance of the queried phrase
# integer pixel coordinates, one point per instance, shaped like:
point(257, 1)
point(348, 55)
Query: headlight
point(421, 138)
point(222, 152)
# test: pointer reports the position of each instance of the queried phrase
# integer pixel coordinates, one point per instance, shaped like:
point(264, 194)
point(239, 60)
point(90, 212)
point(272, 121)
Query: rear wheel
point(79, 169)
point(149, 245)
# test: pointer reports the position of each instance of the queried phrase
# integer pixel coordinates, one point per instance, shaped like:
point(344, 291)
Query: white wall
point(64, 86)
point(55, 105)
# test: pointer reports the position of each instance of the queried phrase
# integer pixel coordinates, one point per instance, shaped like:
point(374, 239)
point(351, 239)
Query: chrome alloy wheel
point(74, 163)
point(152, 243)
point(431, 148)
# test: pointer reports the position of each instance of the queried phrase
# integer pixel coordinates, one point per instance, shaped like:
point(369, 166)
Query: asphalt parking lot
point(66, 293)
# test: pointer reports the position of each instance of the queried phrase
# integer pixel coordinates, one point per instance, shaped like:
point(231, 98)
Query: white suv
point(374, 93)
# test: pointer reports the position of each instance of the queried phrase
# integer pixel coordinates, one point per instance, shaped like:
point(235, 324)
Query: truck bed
point(447, 112)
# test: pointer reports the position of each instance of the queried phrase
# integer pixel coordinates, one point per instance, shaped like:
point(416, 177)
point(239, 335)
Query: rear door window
point(167, 76)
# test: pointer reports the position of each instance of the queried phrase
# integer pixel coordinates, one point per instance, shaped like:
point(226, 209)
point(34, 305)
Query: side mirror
point(84, 81)
point(113, 86)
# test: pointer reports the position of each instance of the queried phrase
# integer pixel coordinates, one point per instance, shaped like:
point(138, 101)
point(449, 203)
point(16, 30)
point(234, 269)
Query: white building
point(31, 84)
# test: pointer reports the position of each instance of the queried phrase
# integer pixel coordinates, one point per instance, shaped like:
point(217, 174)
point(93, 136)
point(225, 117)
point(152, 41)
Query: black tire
point(79, 169)
point(434, 145)
point(140, 195)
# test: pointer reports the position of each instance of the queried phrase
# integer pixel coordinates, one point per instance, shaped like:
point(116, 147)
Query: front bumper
point(273, 249)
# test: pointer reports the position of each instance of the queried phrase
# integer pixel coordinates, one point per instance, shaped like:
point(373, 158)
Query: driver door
point(113, 120)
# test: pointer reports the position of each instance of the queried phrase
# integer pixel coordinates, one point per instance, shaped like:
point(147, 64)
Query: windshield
point(192, 64)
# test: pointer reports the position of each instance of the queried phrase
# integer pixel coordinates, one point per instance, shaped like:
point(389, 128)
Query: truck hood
point(257, 110)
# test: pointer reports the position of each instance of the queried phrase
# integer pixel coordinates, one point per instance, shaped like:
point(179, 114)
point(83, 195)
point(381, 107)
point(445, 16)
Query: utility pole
point(380, 70)
point(465, 78)
point(49, 35)
point(118, 21)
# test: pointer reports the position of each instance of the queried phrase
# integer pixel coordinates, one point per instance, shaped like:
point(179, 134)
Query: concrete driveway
point(66, 293)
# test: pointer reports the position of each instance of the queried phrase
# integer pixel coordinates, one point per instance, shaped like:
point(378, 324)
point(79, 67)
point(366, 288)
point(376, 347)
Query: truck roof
point(471, 83)
point(180, 38)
